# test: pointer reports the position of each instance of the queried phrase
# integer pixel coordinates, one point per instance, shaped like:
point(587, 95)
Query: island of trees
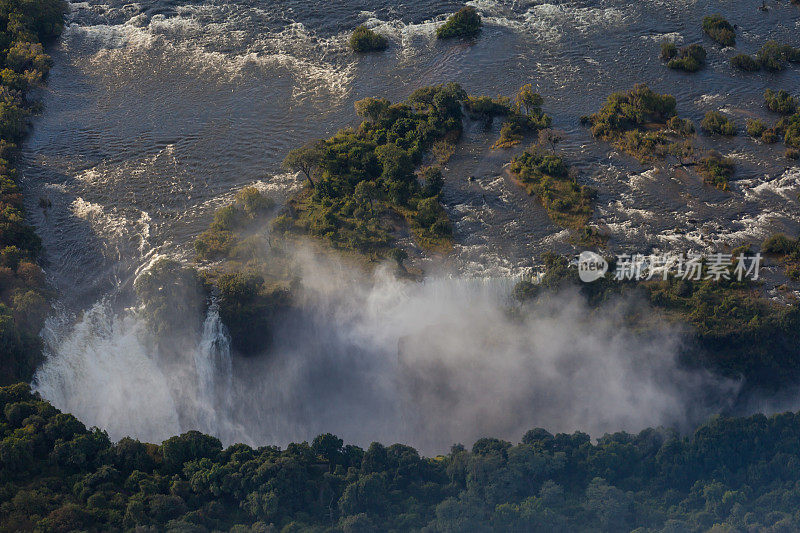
point(464, 23)
point(364, 39)
point(720, 30)
point(688, 58)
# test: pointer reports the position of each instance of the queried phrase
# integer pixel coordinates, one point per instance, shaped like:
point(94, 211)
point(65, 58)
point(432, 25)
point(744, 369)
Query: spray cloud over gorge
point(378, 358)
point(371, 357)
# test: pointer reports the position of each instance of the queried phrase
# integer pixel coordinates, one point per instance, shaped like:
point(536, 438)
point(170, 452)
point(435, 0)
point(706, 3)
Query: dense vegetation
point(745, 62)
point(688, 58)
point(640, 122)
point(364, 39)
point(772, 57)
point(362, 182)
point(731, 474)
point(546, 175)
point(716, 170)
point(717, 123)
point(780, 102)
point(720, 30)
point(787, 250)
point(24, 26)
point(464, 23)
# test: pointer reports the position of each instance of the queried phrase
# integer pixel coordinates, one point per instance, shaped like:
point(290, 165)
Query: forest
point(25, 26)
point(730, 474)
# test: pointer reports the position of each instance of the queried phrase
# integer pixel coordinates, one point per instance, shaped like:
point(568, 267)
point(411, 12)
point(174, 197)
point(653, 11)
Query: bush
point(546, 176)
point(791, 126)
point(755, 128)
point(770, 136)
point(720, 30)
point(668, 50)
point(716, 122)
point(365, 40)
point(681, 126)
point(773, 56)
point(716, 170)
point(626, 111)
point(745, 62)
point(779, 244)
point(465, 23)
point(792, 153)
point(780, 102)
point(689, 59)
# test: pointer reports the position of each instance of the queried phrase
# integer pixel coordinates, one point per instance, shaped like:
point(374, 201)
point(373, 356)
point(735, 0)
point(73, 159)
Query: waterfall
point(214, 368)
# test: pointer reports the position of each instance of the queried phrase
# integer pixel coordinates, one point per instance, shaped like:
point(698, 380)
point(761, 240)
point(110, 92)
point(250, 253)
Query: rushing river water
point(155, 113)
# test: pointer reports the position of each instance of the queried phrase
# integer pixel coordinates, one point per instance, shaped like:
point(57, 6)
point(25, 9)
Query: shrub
point(432, 181)
point(681, 126)
point(720, 30)
point(745, 62)
point(689, 59)
point(546, 175)
point(364, 39)
point(779, 244)
point(791, 125)
point(755, 128)
point(668, 50)
point(792, 153)
point(464, 23)
point(625, 111)
point(773, 56)
point(770, 136)
point(716, 122)
point(780, 102)
point(716, 170)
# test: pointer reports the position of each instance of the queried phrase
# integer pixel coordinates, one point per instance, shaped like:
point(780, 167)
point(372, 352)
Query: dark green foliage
point(779, 244)
point(546, 176)
point(363, 180)
point(668, 50)
point(773, 56)
point(780, 102)
point(626, 111)
point(716, 122)
point(737, 332)
point(755, 128)
point(740, 473)
point(716, 170)
point(24, 26)
point(365, 40)
point(524, 116)
point(689, 58)
point(637, 122)
point(465, 23)
point(682, 126)
point(720, 30)
point(745, 62)
point(790, 126)
point(787, 250)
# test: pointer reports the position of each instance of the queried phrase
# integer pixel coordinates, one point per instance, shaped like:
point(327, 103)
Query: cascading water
point(214, 368)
